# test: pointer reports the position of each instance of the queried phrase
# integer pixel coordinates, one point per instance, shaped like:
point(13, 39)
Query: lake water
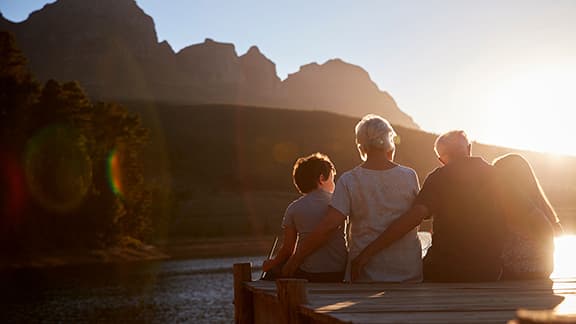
point(192, 291)
point(174, 291)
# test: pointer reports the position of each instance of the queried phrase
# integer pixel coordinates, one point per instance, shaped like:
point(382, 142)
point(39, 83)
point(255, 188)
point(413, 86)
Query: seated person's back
point(372, 199)
point(530, 219)
point(314, 178)
point(304, 215)
point(468, 227)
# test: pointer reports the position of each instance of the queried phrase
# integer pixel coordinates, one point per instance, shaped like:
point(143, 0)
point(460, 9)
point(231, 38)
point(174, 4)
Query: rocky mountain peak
point(111, 48)
point(334, 72)
point(210, 48)
point(88, 18)
point(253, 51)
point(259, 71)
point(340, 86)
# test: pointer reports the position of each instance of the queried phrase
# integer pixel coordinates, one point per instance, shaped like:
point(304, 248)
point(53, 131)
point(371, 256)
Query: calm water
point(193, 291)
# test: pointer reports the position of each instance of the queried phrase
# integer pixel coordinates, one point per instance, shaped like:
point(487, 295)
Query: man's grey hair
point(376, 132)
point(452, 143)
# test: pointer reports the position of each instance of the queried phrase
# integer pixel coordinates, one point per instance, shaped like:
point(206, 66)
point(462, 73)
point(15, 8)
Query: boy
point(314, 178)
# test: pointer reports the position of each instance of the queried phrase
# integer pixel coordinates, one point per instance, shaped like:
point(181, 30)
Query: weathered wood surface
point(291, 294)
point(243, 299)
point(266, 307)
point(492, 302)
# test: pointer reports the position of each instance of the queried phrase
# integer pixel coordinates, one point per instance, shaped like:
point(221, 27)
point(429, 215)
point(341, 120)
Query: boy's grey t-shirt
point(305, 214)
point(372, 200)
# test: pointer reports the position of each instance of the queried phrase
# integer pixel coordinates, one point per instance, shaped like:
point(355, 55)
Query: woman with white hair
point(371, 196)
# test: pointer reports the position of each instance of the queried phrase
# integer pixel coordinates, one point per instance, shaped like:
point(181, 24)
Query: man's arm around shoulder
point(402, 225)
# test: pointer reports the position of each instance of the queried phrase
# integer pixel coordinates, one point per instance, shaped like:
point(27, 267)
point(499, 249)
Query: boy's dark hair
point(307, 171)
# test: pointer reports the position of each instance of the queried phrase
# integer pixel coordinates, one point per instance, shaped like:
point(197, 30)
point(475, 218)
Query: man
point(468, 225)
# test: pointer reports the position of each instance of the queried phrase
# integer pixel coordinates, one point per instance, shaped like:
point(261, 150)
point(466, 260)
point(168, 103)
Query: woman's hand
point(558, 230)
point(357, 266)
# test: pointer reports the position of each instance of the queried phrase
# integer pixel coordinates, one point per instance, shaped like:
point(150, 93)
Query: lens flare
point(13, 188)
point(114, 174)
point(58, 171)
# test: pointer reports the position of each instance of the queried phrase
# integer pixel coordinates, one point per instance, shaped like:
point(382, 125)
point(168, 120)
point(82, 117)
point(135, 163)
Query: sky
point(504, 71)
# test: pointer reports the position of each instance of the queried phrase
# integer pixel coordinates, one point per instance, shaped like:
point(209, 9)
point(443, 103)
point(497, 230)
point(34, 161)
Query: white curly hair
point(374, 132)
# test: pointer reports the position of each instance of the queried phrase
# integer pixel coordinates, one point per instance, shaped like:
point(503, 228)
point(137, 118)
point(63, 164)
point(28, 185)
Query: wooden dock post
point(291, 294)
point(243, 303)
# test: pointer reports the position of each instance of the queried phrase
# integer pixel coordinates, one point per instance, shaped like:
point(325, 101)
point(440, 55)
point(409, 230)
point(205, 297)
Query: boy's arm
point(317, 238)
point(290, 237)
point(395, 231)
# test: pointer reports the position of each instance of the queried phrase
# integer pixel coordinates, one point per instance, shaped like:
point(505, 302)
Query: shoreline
point(134, 251)
point(80, 257)
point(203, 248)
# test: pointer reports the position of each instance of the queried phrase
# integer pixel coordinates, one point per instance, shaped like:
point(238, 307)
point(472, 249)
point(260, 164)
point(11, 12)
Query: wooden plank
point(427, 302)
point(438, 293)
point(519, 284)
point(489, 305)
point(434, 294)
point(429, 317)
point(243, 307)
point(291, 294)
point(266, 308)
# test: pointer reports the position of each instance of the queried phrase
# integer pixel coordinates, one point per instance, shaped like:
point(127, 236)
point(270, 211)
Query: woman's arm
point(321, 234)
point(558, 229)
point(523, 215)
point(538, 223)
point(288, 244)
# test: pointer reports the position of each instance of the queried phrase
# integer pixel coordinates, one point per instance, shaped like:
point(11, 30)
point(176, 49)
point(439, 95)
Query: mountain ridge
point(111, 47)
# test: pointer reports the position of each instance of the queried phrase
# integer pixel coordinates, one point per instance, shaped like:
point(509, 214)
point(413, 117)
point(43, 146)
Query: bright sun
point(564, 261)
point(520, 104)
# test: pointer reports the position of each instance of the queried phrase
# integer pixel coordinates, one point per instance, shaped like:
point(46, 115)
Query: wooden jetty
point(297, 301)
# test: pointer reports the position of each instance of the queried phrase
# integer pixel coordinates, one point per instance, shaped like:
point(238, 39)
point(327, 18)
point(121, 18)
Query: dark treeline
point(71, 168)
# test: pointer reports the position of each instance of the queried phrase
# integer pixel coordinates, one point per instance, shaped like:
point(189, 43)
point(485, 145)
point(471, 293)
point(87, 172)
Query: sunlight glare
point(567, 306)
point(564, 261)
point(522, 104)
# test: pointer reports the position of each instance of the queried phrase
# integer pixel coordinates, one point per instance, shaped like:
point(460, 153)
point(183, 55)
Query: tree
point(77, 163)
point(17, 92)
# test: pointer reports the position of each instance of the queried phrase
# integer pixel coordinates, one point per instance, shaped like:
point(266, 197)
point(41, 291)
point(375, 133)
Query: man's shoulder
point(435, 173)
point(480, 162)
point(471, 163)
point(482, 169)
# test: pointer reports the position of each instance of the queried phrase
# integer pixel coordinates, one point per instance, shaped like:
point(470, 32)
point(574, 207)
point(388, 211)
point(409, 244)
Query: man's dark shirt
point(468, 226)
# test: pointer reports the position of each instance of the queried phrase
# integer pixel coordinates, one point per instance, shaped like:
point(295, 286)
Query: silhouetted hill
point(232, 165)
point(340, 87)
point(111, 48)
